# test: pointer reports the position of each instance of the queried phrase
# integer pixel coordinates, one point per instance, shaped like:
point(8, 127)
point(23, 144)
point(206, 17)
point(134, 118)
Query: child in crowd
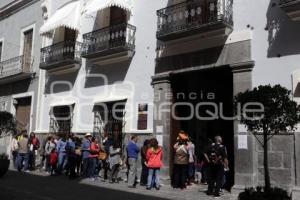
point(53, 161)
point(198, 169)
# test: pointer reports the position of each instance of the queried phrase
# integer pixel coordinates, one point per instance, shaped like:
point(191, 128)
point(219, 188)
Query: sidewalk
point(167, 192)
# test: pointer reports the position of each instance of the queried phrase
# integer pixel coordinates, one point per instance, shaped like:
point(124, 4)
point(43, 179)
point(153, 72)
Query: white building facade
point(20, 45)
point(118, 67)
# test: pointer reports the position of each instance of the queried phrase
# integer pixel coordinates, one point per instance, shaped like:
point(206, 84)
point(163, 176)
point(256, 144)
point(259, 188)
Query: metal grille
point(67, 50)
point(110, 122)
point(15, 66)
point(194, 14)
point(61, 119)
point(112, 39)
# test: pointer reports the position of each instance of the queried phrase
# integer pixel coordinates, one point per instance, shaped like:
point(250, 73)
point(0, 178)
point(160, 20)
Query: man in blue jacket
point(86, 145)
point(132, 155)
point(61, 150)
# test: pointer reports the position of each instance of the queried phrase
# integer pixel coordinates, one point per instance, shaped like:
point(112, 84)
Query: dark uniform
point(217, 153)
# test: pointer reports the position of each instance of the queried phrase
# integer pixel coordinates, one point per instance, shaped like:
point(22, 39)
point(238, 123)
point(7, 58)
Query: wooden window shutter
point(27, 50)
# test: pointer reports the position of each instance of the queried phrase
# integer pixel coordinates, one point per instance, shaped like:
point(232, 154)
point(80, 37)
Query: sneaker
point(132, 186)
point(148, 188)
point(27, 171)
point(157, 188)
point(92, 179)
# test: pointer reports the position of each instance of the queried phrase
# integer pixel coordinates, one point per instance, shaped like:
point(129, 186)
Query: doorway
point(61, 119)
point(197, 92)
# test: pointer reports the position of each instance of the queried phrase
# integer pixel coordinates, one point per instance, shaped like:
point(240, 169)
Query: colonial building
point(208, 51)
point(20, 44)
point(94, 61)
point(122, 67)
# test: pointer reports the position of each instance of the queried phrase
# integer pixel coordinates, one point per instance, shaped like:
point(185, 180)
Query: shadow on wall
point(115, 72)
point(60, 83)
point(283, 36)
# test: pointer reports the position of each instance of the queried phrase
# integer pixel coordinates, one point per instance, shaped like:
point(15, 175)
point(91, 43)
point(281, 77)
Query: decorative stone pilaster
point(245, 159)
point(162, 116)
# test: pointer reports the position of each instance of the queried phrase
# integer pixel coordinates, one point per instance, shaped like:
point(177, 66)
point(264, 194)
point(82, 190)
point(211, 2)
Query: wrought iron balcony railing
point(15, 66)
point(287, 1)
point(60, 54)
point(109, 40)
point(192, 17)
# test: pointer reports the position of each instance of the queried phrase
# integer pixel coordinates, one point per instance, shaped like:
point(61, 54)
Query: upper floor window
point(27, 46)
point(142, 116)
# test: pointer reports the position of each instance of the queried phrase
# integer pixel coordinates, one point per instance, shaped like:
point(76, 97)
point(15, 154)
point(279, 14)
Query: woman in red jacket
point(94, 151)
point(154, 163)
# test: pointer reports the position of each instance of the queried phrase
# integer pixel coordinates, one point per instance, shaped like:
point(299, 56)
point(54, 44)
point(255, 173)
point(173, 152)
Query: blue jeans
point(92, 167)
point(62, 161)
point(191, 171)
point(153, 174)
point(21, 158)
point(85, 165)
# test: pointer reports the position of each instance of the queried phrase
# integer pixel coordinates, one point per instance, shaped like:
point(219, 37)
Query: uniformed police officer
point(217, 162)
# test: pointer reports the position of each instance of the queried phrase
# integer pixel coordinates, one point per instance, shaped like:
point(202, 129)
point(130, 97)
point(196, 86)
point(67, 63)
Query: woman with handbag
point(114, 162)
point(94, 152)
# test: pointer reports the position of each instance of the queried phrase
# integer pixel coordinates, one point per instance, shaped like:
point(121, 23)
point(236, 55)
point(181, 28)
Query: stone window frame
point(2, 49)
point(24, 30)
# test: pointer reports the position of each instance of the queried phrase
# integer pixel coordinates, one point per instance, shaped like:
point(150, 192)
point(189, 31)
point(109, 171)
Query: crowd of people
point(88, 156)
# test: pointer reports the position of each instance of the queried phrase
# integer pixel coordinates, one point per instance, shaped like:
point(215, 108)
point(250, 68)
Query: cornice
point(14, 7)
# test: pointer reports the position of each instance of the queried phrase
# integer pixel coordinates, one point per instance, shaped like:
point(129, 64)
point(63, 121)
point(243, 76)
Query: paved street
point(15, 186)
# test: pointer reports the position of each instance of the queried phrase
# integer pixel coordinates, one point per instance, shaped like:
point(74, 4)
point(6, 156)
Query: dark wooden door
point(117, 16)
point(69, 45)
point(70, 35)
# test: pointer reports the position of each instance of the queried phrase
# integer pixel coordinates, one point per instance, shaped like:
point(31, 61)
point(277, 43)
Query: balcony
point(207, 17)
point(110, 43)
point(15, 69)
point(292, 8)
point(61, 56)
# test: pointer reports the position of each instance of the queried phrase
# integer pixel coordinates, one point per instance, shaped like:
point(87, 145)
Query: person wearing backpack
point(154, 163)
point(217, 159)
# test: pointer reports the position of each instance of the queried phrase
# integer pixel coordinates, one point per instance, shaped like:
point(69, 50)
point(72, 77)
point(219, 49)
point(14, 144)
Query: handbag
point(102, 155)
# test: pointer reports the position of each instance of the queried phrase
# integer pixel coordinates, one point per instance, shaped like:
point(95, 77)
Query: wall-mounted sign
point(159, 129)
point(242, 142)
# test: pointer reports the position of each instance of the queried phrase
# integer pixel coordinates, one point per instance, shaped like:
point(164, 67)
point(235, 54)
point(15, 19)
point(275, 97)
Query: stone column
point(296, 190)
point(162, 116)
point(245, 159)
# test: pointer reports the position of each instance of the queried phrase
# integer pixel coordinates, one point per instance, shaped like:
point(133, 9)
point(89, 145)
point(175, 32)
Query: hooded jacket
point(154, 158)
